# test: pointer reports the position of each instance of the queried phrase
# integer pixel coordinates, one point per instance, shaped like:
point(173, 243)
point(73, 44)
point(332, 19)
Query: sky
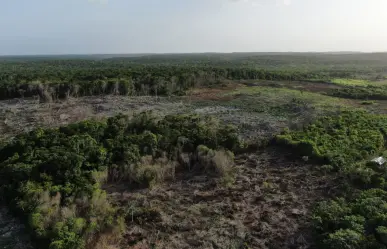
point(190, 26)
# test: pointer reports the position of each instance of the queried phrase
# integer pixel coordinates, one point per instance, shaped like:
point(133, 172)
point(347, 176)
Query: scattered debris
point(379, 160)
point(215, 109)
point(190, 212)
point(297, 211)
point(64, 117)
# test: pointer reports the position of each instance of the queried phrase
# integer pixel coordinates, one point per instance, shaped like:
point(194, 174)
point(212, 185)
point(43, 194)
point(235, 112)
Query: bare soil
point(23, 115)
point(268, 207)
point(217, 94)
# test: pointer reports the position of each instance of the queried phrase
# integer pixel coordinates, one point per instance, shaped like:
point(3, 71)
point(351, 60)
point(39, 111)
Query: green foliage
point(344, 239)
point(359, 223)
point(219, 163)
point(382, 233)
point(369, 92)
point(350, 82)
point(339, 140)
point(367, 102)
point(64, 76)
point(53, 177)
point(347, 142)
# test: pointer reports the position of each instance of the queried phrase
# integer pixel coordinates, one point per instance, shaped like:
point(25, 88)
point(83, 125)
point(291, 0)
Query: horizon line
point(177, 53)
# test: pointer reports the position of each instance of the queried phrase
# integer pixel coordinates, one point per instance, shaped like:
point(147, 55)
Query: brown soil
point(18, 115)
point(268, 207)
point(219, 93)
point(213, 93)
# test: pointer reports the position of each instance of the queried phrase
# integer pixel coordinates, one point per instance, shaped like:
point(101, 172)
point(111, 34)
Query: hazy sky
point(158, 26)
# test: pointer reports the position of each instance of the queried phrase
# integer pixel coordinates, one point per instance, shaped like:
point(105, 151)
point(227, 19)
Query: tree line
point(58, 79)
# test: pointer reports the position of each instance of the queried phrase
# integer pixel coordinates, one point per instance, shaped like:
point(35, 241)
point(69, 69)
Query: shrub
point(382, 234)
point(337, 140)
point(219, 163)
point(344, 239)
point(347, 142)
point(367, 102)
point(358, 223)
point(53, 177)
point(150, 172)
point(361, 92)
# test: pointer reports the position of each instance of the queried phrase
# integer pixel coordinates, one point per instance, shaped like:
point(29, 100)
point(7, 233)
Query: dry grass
point(251, 202)
point(49, 206)
point(218, 163)
point(108, 240)
point(148, 172)
point(212, 93)
point(100, 177)
point(267, 207)
point(21, 115)
point(152, 172)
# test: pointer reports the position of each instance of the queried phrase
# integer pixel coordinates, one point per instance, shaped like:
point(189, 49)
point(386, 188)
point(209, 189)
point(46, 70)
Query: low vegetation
point(347, 142)
point(172, 180)
point(350, 82)
point(361, 92)
point(339, 140)
point(53, 177)
point(356, 223)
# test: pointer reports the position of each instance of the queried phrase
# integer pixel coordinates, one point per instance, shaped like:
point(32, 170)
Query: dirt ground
point(216, 94)
point(268, 207)
point(23, 115)
point(17, 115)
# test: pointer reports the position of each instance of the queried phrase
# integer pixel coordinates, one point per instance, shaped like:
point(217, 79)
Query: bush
point(344, 239)
point(361, 92)
point(219, 163)
point(367, 102)
point(339, 140)
point(382, 234)
point(53, 177)
point(347, 142)
point(150, 172)
point(358, 223)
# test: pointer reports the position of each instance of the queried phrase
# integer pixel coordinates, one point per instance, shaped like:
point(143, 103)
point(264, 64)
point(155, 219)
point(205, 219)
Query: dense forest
point(52, 77)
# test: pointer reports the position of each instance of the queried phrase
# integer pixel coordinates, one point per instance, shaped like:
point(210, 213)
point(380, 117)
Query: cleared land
point(291, 162)
point(269, 204)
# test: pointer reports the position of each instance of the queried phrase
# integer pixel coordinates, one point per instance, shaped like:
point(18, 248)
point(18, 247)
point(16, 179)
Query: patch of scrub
point(215, 110)
point(351, 82)
point(282, 95)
